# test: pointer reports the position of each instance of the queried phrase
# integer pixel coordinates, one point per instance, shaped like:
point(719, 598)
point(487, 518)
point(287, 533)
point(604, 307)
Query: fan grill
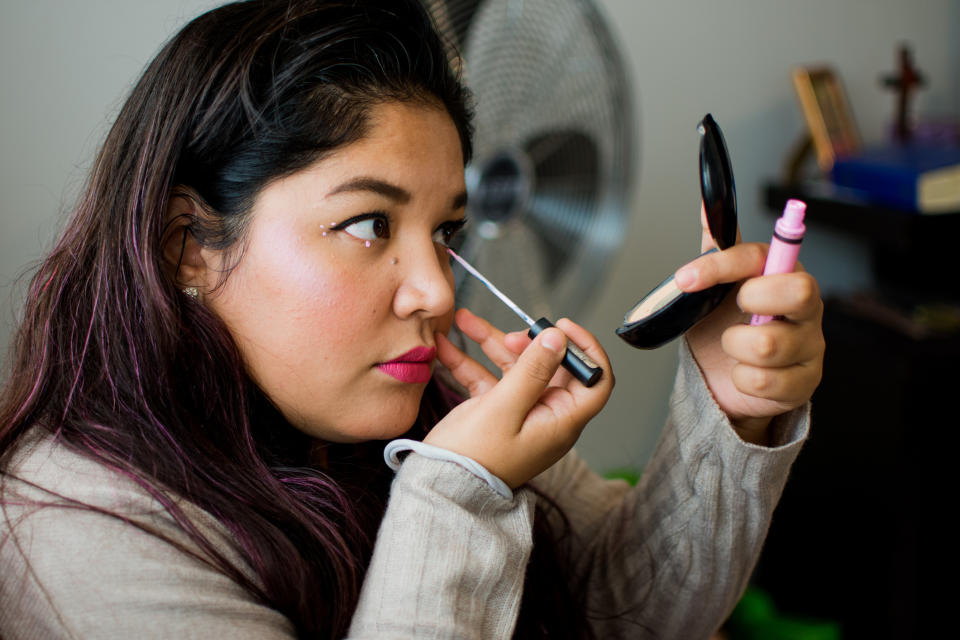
point(552, 146)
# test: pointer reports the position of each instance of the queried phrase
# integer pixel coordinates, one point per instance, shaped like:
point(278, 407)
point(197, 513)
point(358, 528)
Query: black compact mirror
point(667, 312)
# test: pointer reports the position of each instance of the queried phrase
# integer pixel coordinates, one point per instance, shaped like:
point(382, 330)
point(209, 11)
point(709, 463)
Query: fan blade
point(548, 184)
point(565, 187)
point(453, 18)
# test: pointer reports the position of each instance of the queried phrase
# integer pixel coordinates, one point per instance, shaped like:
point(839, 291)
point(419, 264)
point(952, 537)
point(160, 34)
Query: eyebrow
point(391, 191)
point(374, 185)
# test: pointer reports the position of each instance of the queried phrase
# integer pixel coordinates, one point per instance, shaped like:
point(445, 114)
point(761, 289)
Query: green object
point(756, 618)
point(632, 476)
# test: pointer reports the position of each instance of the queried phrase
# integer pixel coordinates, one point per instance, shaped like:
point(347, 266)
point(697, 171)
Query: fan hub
point(500, 187)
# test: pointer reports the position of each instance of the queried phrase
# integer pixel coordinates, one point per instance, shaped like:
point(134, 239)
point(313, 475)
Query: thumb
point(526, 380)
point(706, 236)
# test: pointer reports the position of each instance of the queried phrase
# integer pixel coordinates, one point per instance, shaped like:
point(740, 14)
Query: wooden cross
point(904, 83)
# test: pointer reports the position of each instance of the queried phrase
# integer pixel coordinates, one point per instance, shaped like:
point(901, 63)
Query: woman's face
point(344, 279)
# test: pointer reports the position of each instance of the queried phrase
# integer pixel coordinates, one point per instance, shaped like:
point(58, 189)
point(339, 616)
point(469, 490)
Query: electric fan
point(547, 187)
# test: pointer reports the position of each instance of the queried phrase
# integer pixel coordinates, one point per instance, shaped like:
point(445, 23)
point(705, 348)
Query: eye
point(447, 232)
point(369, 226)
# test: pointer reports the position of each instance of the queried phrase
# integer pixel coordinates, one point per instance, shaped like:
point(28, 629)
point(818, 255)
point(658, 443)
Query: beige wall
point(65, 66)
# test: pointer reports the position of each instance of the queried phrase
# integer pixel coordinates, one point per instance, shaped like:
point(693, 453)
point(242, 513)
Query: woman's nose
point(426, 283)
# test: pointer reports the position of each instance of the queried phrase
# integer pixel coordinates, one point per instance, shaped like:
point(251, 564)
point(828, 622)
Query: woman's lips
point(413, 366)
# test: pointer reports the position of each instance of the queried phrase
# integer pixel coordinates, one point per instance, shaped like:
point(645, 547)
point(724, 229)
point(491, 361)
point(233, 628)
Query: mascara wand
point(575, 360)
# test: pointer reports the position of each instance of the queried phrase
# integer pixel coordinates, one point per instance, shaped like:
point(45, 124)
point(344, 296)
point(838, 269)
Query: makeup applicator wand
point(574, 360)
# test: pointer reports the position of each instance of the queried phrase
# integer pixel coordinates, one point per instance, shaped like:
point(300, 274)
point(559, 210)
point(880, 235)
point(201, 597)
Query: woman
point(253, 295)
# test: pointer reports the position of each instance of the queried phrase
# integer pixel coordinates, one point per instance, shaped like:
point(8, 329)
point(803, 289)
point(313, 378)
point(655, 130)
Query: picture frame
point(833, 130)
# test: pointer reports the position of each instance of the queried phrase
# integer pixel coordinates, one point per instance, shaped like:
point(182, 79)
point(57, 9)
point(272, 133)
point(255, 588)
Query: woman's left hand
point(756, 372)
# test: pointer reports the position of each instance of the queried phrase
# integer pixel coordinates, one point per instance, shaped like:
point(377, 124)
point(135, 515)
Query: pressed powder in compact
point(667, 312)
point(655, 300)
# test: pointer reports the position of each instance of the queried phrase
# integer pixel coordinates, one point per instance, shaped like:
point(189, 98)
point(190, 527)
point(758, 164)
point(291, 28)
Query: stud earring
point(192, 292)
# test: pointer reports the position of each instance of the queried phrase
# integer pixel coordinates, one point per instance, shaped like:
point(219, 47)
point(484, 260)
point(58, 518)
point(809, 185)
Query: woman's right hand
point(519, 425)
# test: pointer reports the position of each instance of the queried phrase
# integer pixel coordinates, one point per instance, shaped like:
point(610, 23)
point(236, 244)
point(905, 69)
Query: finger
point(795, 296)
point(585, 340)
point(587, 399)
point(465, 370)
point(487, 336)
point(516, 341)
point(706, 238)
point(789, 385)
point(589, 344)
point(775, 344)
point(526, 380)
point(731, 265)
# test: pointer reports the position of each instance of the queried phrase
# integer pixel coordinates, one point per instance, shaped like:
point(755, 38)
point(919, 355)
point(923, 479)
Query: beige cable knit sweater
point(674, 553)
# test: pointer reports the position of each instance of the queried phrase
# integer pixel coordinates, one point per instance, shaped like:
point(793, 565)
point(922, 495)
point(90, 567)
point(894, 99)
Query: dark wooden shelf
point(880, 226)
point(912, 252)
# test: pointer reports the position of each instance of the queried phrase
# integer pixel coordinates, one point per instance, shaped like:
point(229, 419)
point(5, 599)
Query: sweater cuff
point(700, 421)
point(391, 455)
point(450, 557)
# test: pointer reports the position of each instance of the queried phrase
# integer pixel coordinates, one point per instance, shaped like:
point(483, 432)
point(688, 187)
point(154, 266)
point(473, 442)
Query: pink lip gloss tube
point(785, 245)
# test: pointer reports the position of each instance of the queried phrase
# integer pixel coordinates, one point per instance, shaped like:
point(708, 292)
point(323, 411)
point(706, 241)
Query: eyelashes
point(447, 232)
point(366, 226)
point(375, 225)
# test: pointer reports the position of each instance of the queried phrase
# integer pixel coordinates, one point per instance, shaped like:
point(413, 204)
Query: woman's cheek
point(336, 305)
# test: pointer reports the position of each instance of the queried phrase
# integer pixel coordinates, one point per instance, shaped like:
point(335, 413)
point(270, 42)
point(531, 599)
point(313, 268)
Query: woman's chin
point(363, 426)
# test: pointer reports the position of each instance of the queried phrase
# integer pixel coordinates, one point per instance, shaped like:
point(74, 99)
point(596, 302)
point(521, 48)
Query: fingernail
point(553, 340)
point(686, 277)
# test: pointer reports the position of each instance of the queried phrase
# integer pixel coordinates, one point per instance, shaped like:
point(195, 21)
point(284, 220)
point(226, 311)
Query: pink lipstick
point(785, 245)
point(412, 367)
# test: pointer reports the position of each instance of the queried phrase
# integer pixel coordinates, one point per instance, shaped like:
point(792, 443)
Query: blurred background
point(65, 68)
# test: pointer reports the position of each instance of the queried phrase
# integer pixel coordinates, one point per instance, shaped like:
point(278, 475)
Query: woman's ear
point(182, 253)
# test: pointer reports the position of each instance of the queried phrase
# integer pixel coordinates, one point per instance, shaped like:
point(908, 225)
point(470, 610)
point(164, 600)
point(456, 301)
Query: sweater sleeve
point(449, 561)
point(72, 572)
point(671, 557)
point(450, 557)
